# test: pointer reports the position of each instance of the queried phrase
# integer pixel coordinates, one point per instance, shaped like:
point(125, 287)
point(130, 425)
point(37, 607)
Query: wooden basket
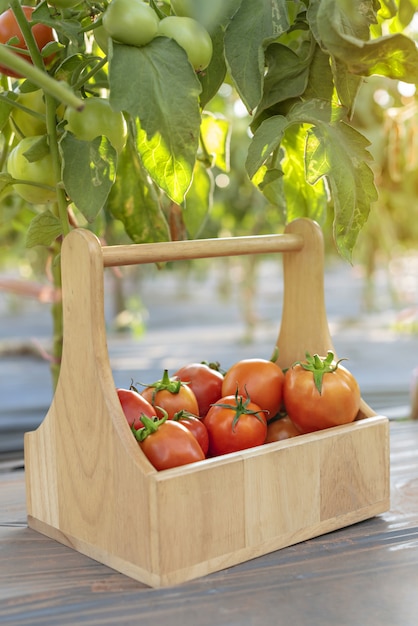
point(90, 486)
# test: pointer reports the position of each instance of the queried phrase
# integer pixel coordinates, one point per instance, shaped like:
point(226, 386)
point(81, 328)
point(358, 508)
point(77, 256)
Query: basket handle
point(134, 254)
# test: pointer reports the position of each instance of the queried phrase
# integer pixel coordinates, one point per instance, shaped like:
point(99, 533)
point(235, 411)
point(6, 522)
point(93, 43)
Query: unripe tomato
point(191, 36)
point(27, 124)
point(40, 171)
point(131, 22)
point(97, 118)
point(184, 8)
point(9, 29)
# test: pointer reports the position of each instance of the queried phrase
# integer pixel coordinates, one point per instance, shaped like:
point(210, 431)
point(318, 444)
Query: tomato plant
point(260, 380)
point(233, 424)
point(204, 381)
point(31, 122)
point(191, 36)
point(281, 429)
point(97, 118)
point(11, 32)
point(134, 406)
point(319, 393)
point(167, 443)
point(196, 427)
point(31, 161)
point(131, 22)
point(172, 396)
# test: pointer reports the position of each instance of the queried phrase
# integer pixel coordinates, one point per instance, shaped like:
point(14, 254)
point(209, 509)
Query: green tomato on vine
point(132, 22)
point(39, 171)
point(25, 123)
point(97, 118)
point(191, 36)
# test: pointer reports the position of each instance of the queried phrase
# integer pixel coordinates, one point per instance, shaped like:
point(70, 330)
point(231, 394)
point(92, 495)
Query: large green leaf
point(342, 28)
point(252, 28)
point(88, 172)
point(334, 151)
point(157, 85)
point(339, 152)
point(134, 201)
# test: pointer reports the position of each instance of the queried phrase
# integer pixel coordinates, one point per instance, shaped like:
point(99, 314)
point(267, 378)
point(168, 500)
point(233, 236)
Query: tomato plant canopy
point(296, 66)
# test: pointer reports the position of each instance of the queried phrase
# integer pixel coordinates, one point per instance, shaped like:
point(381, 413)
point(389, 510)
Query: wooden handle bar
point(199, 249)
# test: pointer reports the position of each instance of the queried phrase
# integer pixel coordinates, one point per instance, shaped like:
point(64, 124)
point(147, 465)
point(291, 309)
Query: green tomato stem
point(42, 79)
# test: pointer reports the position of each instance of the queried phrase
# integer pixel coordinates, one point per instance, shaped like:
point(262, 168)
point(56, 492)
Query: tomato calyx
point(166, 384)
point(150, 426)
point(241, 408)
point(184, 415)
point(214, 365)
point(319, 366)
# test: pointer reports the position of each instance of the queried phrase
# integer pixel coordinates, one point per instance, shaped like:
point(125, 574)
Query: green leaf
point(215, 136)
point(88, 171)
point(5, 181)
point(253, 27)
point(43, 230)
point(334, 151)
point(134, 201)
point(302, 200)
point(198, 202)
point(287, 73)
point(157, 85)
point(340, 153)
point(342, 28)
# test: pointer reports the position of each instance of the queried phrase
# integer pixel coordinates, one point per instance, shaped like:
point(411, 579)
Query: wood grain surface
point(366, 574)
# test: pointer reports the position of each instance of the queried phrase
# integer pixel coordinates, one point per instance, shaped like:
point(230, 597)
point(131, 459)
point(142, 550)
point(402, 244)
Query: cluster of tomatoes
point(201, 412)
point(135, 23)
point(130, 22)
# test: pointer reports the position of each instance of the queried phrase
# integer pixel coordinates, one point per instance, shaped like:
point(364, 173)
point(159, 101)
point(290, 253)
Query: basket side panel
point(201, 515)
point(215, 515)
point(355, 474)
point(87, 479)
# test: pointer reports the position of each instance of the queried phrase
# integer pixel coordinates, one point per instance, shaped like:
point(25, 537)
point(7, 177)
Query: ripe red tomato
point(233, 424)
point(196, 427)
point(172, 396)
point(9, 29)
point(320, 393)
point(258, 379)
point(134, 405)
point(167, 443)
point(281, 429)
point(204, 381)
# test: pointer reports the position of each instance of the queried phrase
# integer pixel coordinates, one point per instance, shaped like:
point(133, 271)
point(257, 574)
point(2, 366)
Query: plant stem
point(44, 81)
